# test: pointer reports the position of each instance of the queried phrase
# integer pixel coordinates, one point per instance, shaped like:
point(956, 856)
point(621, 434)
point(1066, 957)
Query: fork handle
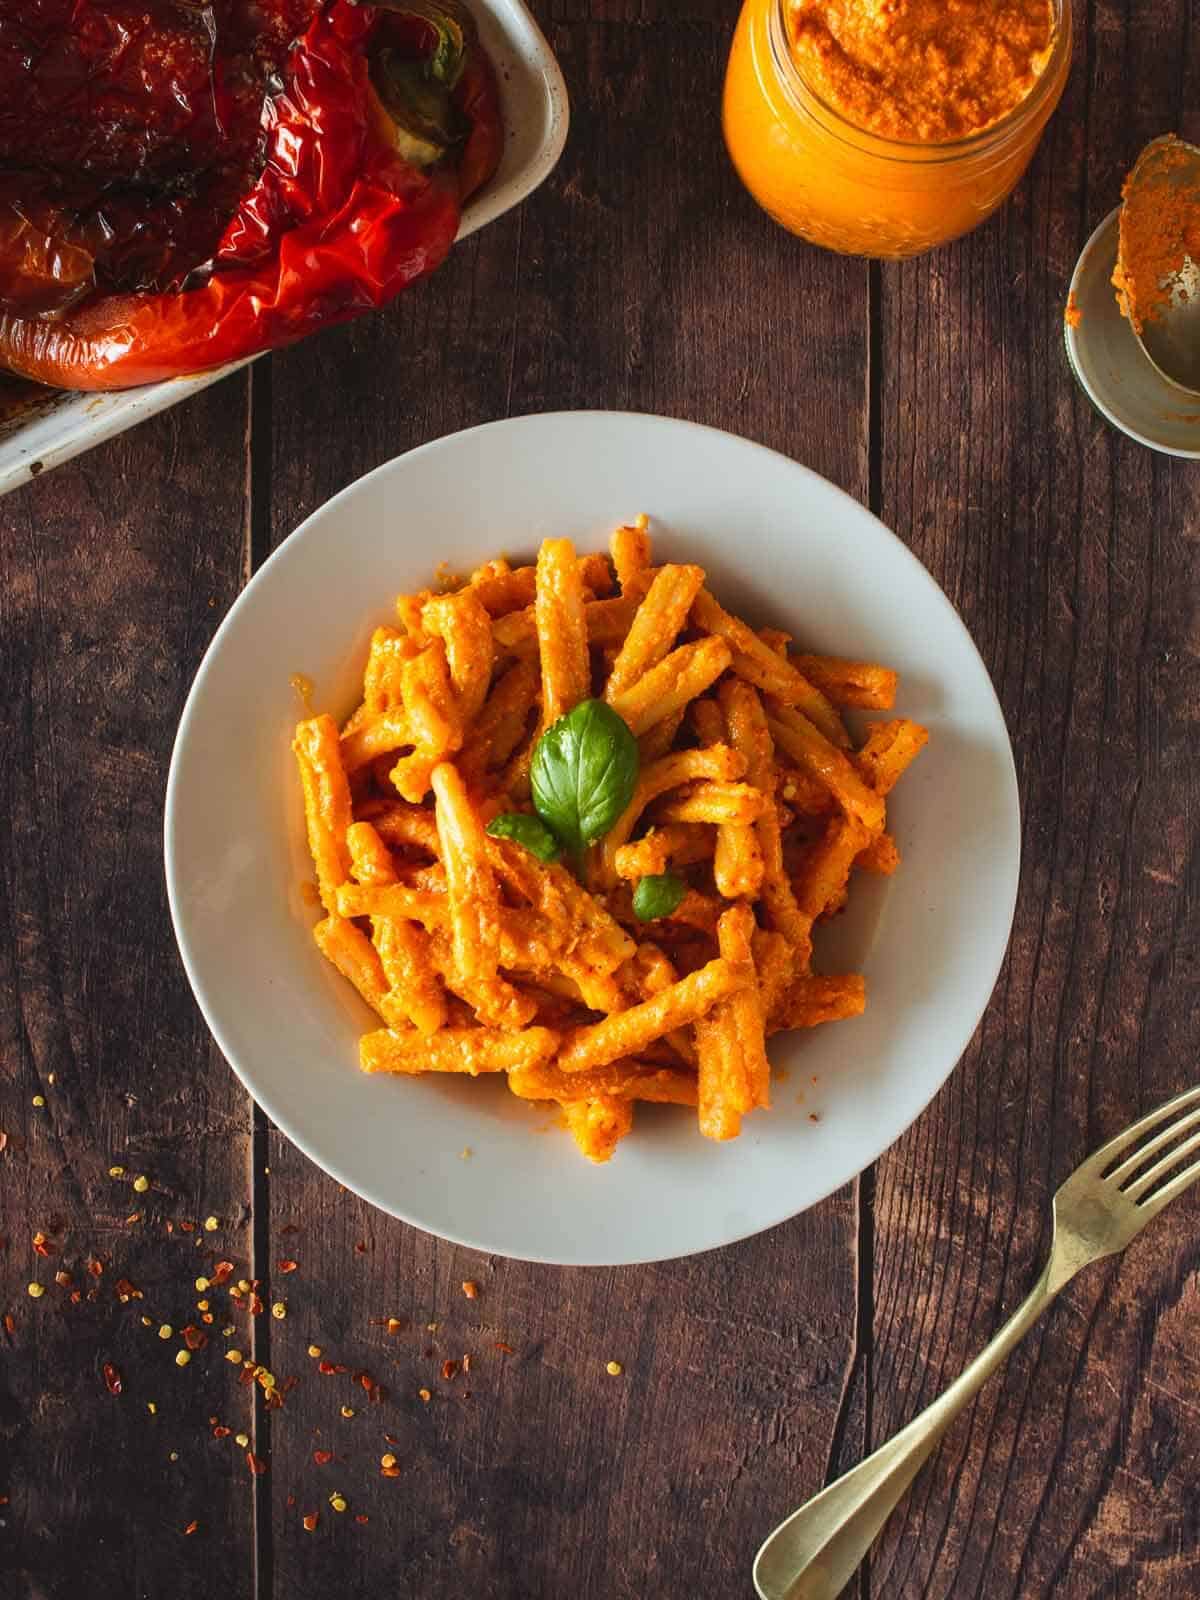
point(813, 1555)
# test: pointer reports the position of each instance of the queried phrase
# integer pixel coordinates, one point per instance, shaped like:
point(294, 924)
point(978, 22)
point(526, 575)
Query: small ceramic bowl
point(1112, 368)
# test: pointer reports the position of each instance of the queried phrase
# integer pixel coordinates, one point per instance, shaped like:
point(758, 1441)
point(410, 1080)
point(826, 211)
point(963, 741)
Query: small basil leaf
point(583, 774)
point(657, 896)
point(526, 830)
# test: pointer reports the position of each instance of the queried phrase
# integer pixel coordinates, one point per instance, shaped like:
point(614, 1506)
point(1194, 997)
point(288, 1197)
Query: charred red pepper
point(187, 182)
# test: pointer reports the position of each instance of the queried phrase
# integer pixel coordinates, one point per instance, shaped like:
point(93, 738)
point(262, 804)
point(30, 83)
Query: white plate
point(781, 546)
point(533, 100)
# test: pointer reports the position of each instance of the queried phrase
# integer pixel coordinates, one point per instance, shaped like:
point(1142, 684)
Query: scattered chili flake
point(42, 1245)
point(3, 1140)
point(3, 1499)
point(126, 1291)
point(191, 1527)
point(291, 1501)
point(195, 1338)
point(614, 1369)
point(388, 1460)
point(206, 1317)
point(112, 1378)
point(431, 1327)
point(471, 1290)
point(347, 1411)
point(241, 1440)
point(362, 1517)
point(10, 1323)
point(141, 1183)
point(182, 1358)
point(449, 1369)
point(76, 1296)
point(39, 1100)
point(234, 1357)
point(507, 1348)
point(425, 1395)
point(211, 1224)
point(220, 1432)
point(96, 1268)
point(466, 1363)
point(310, 1522)
point(256, 1306)
point(314, 1351)
point(116, 1172)
point(286, 1265)
point(188, 1227)
point(279, 1310)
point(63, 1279)
point(221, 1273)
point(36, 1291)
point(360, 1249)
point(322, 1457)
point(256, 1464)
point(395, 1324)
point(134, 1216)
point(389, 1472)
point(338, 1502)
point(329, 1367)
point(201, 1285)
point(165, 1331)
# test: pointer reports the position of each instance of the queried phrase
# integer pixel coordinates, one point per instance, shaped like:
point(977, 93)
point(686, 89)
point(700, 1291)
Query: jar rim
point(855, 135)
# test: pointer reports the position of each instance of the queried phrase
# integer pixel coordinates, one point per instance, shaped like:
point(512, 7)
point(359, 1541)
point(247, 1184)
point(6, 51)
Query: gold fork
point(1104, 1204)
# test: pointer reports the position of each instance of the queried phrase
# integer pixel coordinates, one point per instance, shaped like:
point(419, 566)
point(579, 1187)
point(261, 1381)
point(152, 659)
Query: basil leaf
point(583, 774)
point(526, 830)
point(657, 896)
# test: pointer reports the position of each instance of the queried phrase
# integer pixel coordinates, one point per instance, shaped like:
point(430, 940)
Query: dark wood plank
point(113, 574)
point(1072, 554)
point(639, 277)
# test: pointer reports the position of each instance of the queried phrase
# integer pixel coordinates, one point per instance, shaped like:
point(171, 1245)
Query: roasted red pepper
point(183, 184)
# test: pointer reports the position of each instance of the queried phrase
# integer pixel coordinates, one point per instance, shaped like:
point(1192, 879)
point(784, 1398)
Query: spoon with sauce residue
point(1157, 276)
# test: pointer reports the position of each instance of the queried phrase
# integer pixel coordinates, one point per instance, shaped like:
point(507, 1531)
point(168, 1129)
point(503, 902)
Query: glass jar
point(832, 182)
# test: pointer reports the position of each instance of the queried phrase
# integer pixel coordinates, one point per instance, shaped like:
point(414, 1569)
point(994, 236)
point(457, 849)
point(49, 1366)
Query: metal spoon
point(1167, 173)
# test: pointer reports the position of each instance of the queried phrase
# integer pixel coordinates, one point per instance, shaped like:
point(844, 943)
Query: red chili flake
point(3, 1499)
point(507, 1348)
point(195, 1338)
point(362, 1517)
point(378, 1322)
point(3, 1140)
point(287, 1265)
point(63, 1279)
point(290, 1227)
point(388, 1439)
point(246, 1372)
point(125, 1291)
point(360, 1249)
point(256, 1306)
point(42, 1245)
point(112, 1378)
point(170, 1227)
point(310, 1521)
point(96, 1268)
point(221, 1273)
point(291, 1501)
point(10, 1323)
point(322, 1457)
point(191, 1527)
point(188, 1227)
point(220, 1433)
point(449, 1369)
point(256, 1464)
point(134, 1216)
point(328, 1367)
point(389, 1472)
point(206, 1317)
point(76, 1297)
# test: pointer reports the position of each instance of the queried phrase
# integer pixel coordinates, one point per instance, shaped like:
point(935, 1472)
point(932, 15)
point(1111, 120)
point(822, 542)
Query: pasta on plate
point(581, 828)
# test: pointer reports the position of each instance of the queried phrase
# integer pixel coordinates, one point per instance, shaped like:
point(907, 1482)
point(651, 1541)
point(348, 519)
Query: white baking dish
point(534, 101)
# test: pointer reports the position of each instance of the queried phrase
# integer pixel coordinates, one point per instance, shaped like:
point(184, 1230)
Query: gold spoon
point(1158, 258)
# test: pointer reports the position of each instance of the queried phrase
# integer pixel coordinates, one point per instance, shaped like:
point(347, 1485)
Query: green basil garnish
point(657, 896)
point(528, 831)
point(583, 774)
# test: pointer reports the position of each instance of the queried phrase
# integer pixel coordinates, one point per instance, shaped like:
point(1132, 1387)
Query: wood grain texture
point(1073, 555)
point(555, 1478)
point(113, 574)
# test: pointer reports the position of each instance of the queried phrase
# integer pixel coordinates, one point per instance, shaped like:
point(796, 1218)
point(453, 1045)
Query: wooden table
point(935, 391)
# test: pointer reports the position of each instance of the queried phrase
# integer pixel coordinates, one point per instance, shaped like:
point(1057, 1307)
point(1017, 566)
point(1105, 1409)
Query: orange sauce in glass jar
point(886, 127)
